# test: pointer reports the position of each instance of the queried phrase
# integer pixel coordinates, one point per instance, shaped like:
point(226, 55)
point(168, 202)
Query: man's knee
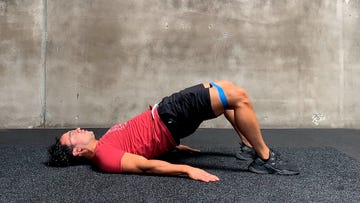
point(238, 97)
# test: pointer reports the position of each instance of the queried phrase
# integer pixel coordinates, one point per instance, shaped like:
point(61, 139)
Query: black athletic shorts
point(184, 111)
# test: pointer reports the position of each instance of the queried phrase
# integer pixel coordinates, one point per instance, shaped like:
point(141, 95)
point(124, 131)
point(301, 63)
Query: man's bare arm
point(131, 163)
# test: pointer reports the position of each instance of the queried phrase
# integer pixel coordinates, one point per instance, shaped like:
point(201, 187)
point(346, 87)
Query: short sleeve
point(108, 159)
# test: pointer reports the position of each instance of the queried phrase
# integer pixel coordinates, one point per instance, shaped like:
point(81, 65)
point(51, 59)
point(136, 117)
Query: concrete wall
point(93, 63)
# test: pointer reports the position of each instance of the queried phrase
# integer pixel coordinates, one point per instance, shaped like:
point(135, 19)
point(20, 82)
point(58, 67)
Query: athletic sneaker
point(246, 153)
point(274, 165)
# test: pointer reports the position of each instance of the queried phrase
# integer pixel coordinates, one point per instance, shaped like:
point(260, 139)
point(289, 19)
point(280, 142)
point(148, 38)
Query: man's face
point(77, 138)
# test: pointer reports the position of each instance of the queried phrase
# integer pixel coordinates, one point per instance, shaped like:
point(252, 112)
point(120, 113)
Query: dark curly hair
point(61, 155)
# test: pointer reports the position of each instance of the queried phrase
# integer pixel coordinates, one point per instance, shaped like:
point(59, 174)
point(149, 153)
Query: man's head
point(71, 148)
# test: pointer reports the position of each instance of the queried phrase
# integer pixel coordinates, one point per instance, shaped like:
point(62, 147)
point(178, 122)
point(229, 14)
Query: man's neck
point(91, 148)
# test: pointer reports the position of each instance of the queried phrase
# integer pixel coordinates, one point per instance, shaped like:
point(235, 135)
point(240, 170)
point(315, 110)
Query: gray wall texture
point(94, 63)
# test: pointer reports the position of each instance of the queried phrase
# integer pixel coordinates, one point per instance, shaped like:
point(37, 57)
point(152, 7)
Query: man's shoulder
point(108, 157)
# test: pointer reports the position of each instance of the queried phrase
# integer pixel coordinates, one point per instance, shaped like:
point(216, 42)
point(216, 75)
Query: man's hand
point(201, 175)
point(187, 149)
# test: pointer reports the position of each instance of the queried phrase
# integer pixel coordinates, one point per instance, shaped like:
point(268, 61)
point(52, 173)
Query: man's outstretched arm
point(131, 163)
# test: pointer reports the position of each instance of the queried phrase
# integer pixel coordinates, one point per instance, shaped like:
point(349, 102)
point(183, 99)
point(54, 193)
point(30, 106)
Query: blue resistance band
point(221, 95)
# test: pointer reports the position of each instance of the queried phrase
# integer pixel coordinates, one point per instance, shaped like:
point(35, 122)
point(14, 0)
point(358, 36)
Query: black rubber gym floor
point(329, 161)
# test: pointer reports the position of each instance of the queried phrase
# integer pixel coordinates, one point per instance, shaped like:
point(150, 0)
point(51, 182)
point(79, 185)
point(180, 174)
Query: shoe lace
point(277, 159)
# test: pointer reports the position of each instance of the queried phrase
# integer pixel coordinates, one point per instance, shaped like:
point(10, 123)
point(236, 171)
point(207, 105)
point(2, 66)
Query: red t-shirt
point(144, 135)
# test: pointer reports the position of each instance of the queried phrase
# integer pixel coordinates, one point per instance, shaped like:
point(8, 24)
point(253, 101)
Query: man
point(131, 147)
